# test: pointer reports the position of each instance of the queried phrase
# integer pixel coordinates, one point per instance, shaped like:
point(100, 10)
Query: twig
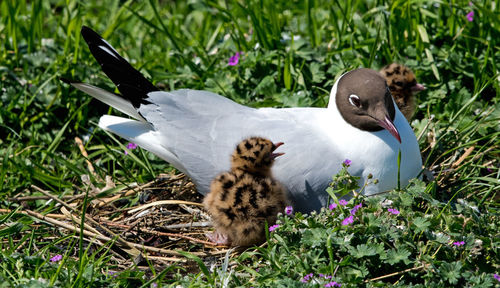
point(163, 202)
point(188, 225)
point(90, 167)
point(24, 213)
point(132, 250)
point(425, 128)
point(171, 259)
point(397, 273)
point(107, 239)
point(34, 198)
point(158, 233)
point(462, 158)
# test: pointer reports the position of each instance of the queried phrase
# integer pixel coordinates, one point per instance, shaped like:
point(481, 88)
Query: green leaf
point(450, 271)
point(363, 250)
point(397, 255)
point(420, 224)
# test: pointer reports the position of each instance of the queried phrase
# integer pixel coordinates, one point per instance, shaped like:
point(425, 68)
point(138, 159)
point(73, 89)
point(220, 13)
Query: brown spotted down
point(403, 86)
point(243, 199)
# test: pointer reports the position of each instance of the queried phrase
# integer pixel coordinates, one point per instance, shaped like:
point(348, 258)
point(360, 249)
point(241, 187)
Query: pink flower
point(288, 210)
point(325, 276)
point(307, 278)
point(233, 60)
point(274, 227)
point(393, 211)
point(470, 16)
point(343, 202)
point(459, 243)
point(56, 258)
point(131, 146)
point(332, 206)
point(348, 220)
point(356, 208)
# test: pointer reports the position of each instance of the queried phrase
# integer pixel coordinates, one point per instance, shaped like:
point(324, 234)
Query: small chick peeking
point(403, 86)
point(241, 200)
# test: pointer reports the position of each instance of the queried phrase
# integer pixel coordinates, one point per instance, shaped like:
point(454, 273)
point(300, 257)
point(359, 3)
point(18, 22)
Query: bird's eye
point(354, 100)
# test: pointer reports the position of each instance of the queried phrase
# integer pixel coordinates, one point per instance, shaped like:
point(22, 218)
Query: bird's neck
point(254, 171)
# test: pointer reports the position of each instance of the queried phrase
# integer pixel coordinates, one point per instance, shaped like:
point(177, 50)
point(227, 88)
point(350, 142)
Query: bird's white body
point(196, 131)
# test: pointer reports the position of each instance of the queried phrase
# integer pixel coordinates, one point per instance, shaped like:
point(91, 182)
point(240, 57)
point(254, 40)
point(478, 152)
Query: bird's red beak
point(274, 155)
point(387, 124)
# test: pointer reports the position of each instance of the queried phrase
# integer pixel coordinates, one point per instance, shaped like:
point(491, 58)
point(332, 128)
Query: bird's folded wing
point(203, 128)
point(142, 134)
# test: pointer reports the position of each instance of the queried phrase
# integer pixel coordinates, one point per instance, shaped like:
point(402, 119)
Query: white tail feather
point(109, 98)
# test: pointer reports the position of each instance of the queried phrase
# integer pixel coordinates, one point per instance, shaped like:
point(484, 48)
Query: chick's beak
point(274, 155)
point(418, 87)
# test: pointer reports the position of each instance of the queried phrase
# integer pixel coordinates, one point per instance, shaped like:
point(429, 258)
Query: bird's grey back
point(203, 128)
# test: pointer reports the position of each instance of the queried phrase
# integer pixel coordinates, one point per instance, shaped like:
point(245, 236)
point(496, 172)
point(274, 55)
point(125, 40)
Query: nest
point(157, 221)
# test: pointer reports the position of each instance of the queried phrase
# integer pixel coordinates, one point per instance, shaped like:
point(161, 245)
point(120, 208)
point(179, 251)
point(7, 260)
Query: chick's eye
point(354, 100)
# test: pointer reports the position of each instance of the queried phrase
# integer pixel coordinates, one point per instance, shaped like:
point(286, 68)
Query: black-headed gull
point(403, 86)
point(241, 200)
point(196, 130)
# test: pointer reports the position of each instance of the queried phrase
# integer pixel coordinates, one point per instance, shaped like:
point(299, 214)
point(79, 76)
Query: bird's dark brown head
point(364, 101)
point(255, 155)
point(403, 85)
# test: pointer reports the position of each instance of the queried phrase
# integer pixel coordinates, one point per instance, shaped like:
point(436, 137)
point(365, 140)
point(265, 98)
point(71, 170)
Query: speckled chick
point(403, 86)
point(243, 199)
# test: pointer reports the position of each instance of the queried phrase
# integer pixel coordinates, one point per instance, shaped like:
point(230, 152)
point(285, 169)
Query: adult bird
point(196, 130)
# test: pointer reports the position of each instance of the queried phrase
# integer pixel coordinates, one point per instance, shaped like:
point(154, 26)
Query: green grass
point(292, 53)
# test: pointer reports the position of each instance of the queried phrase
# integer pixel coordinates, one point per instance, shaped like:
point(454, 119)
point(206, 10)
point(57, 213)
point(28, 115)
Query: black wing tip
point(89, 34)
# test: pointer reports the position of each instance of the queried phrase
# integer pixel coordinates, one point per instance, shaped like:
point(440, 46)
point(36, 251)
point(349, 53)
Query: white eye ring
point(354, 100)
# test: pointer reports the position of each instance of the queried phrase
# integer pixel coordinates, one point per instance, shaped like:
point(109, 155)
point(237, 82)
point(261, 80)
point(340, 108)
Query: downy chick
point(403, 86)
point(241, 200)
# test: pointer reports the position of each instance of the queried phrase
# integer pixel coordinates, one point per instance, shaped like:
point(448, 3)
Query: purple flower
point(131, 146)
point(325, 276)
point(496, 276)
point(154, 285)
point(307, 278)
point(393, 211)
point(332, 206)
point(288, 210)
point(343, 202)
point(346, 163)
point(274, 227)
point(356, 208)
point(233, 60)
point(56, 258)
point(459, 243)
point(470, 16)
point(333, 284)
point(112, 273)
point(348, 220)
